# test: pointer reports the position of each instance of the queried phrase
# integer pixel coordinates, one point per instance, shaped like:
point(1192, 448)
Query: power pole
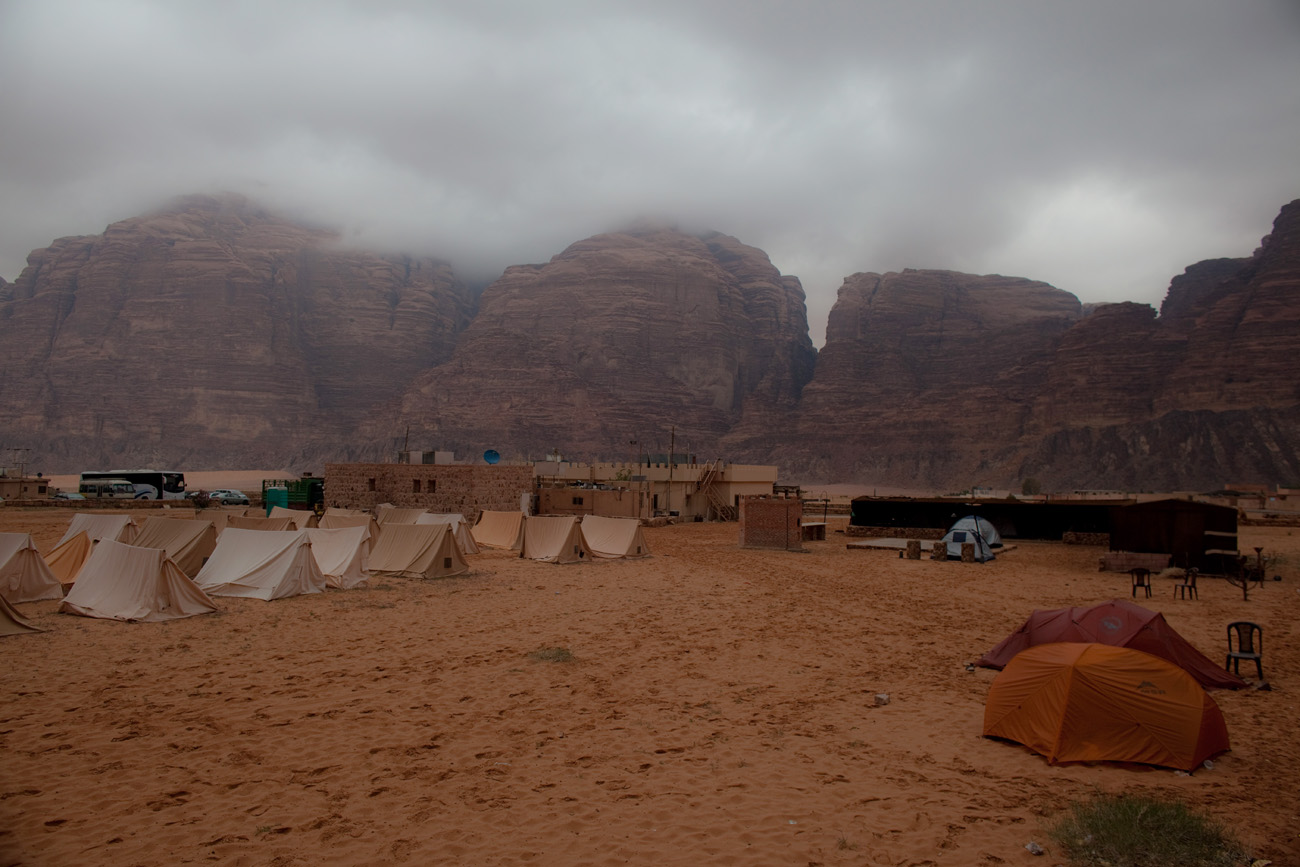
point(672, 445)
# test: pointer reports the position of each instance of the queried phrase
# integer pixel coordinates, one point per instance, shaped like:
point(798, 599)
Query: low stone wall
point(894, 532)
point(90, 505)
point(1102, 539)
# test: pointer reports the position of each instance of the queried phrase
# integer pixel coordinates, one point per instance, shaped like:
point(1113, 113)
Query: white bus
point(149, 484)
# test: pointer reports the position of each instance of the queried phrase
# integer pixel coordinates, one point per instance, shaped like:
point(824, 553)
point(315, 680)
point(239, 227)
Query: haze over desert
point(719, 707)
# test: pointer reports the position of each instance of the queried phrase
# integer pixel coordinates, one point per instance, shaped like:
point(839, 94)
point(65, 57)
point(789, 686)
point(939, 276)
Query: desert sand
point(719, 708)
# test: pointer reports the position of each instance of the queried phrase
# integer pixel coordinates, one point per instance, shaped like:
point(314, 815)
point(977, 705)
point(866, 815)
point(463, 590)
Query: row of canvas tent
point(147, 581)
point(562, 538)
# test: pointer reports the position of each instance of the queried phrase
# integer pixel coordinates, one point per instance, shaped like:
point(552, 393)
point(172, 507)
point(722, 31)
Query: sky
point(1099, 146)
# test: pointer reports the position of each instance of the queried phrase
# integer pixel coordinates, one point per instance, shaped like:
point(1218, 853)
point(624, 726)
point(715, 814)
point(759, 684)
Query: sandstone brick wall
point(771, 522)
point(464, 489)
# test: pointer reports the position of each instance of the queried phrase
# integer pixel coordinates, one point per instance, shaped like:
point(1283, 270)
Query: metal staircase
point(707, 485)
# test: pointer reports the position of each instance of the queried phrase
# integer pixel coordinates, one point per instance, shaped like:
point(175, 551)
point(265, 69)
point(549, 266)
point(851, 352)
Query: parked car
point(228, 497)
point(68, 495)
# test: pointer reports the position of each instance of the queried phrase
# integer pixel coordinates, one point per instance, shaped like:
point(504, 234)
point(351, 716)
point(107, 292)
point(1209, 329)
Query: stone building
point(708, 491)
point(466, 489)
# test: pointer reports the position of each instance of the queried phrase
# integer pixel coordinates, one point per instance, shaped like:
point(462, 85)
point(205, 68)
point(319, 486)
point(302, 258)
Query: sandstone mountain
point(213, 334)
point(938, 380)
point(216, 334)
point(617, 339)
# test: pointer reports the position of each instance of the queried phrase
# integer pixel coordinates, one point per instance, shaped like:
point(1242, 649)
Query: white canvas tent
point(66, 560)
point(417, 551)
point(119, 527)
point(341, 554)
point(24, 576)
point(361, 519)
point(554, 539)
point(394, 515)
point(262, 564)
point(300, 518)
point(499, 529)
point(614, 538)
point(188, 542)
point(335, 511)
point(243, 522)
point(13, 623)
point(459, 528)
point(124, 582)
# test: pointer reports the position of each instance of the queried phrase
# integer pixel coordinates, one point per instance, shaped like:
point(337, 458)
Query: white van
point(112, 489)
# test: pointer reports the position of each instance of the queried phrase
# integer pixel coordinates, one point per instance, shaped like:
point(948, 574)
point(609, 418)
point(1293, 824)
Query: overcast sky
point(1101, 146)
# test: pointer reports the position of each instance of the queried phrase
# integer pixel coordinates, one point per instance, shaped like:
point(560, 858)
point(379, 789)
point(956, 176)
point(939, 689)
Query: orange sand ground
point(718, 710)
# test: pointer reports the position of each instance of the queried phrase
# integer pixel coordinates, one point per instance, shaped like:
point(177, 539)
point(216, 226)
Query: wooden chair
point(1187, 590)
point(1250, 645)
point(1141, 578)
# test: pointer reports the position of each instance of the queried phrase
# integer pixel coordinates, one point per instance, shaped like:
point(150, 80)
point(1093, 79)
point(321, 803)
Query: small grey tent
point(955, 538)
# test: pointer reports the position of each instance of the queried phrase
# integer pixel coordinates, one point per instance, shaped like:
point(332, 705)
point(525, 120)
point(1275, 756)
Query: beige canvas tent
point(614, 538)
point(124, 582)
point(24, 577)
point(342, 555)
point(417, 551)
point(188, 542)
point(499, 529)
point(66, 560)
point(459, 528)
point(13, 623)
point(242, 522)
point(300, 518)
point(394, 515)
point(338, 522)
point(261, 564)
point(119, 527)
point(554, 539)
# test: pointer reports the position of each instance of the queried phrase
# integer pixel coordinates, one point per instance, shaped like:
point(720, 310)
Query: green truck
point(306, 493)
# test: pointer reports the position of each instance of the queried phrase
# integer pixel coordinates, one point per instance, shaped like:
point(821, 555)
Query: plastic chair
point(1250, 645)
point(1187, 590)
point(1141, 578)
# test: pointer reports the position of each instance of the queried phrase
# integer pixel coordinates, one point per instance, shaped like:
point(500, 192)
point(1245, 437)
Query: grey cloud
point(1101, 146)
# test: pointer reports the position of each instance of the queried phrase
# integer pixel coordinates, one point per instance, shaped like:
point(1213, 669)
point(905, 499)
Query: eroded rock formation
point(213, 334)
point(617, 339)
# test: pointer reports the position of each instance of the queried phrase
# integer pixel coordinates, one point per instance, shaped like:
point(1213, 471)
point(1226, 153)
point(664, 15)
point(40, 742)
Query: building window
point(415, 486)
point(577, 501)
point(370, 484)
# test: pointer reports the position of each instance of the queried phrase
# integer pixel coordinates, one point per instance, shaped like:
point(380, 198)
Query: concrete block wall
point(618, 503)
point(771, 522)
point(464, 489)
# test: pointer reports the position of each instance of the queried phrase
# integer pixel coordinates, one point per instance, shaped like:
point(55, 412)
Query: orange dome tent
point(1093, 702)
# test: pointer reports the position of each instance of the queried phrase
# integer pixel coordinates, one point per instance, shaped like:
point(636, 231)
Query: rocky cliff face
point(937, 380)
point(213, 334)
point(920, 371)
point(216, 334)
point(616, 339)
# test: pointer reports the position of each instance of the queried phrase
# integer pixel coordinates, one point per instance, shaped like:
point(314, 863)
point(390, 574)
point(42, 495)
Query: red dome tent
point(1117, 623)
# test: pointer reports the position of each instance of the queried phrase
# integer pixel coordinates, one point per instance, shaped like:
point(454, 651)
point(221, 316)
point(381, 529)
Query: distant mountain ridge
point(216, 334)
